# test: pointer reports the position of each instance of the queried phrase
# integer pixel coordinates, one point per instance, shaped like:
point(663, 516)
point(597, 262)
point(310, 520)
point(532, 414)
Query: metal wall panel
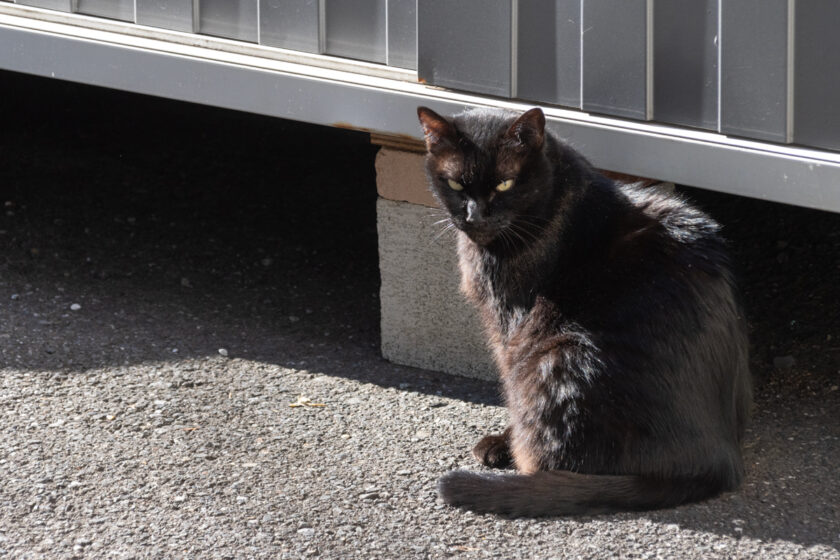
point(356, 29)
point(235, 19)
point(290, 24)
point(168, 14)
point(63, 5)
point(685, 55)
point(548, 51)
point(402, 33)
point(466, 45)
point(115, 9)
point(816, 96)
point(615, 57)
point(753, 100)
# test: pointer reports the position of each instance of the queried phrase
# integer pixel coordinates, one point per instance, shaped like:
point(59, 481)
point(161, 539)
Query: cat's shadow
point(784, 498)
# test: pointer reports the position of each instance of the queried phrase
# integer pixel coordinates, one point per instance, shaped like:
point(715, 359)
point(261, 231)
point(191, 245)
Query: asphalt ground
point(173, 278)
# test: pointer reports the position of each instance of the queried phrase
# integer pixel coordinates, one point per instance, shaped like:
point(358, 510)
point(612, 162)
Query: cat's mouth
point(481, 235)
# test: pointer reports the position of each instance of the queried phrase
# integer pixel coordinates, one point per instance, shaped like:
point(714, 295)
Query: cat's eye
point(455, 185)
point(504, 185)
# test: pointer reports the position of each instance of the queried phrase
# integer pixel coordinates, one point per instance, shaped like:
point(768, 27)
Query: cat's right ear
point(528, 130)
point(437, 131)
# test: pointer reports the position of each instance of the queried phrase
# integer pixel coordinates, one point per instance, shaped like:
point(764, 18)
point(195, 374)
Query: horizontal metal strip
point(339, 98)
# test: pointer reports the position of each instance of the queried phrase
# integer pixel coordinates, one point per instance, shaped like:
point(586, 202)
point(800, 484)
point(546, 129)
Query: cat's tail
point(567, 493)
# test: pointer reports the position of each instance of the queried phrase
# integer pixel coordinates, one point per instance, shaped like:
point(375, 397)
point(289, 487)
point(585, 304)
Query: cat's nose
point(473, 212)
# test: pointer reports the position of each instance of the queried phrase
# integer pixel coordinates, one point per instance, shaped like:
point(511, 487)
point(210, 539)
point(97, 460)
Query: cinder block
point(401, 176)
point(426, 321)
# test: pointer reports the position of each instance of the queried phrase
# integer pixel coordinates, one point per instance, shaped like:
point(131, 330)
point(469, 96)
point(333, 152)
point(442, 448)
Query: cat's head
point(487, 168)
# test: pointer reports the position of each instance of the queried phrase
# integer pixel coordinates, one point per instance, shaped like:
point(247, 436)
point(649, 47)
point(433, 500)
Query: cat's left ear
point(528, 130)
point(437, 131)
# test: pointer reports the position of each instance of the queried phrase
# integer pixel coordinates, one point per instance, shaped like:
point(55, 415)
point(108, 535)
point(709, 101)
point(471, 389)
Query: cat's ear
point(437, 131)
point(528, 130)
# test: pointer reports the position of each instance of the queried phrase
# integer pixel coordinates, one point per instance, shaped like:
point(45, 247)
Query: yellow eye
point(455, 185)
point(504, 185)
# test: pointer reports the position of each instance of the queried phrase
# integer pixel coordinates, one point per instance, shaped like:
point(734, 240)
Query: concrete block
point(426, 321)
point(401, 176)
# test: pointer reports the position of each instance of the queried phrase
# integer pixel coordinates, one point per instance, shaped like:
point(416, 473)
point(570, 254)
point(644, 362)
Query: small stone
point(223, 352)
point(15, 296)
point(180, 498)
point(307, 532)
point(75, 307)
point(185, 282)
point(266, 261)
point(241, 500)
point(784, 362)
point(293, 318)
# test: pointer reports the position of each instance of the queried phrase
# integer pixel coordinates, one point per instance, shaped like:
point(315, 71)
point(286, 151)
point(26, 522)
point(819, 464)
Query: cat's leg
point(494, 450)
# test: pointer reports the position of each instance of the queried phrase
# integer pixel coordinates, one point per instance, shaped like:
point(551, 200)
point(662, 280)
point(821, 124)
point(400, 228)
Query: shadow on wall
point(179, 230)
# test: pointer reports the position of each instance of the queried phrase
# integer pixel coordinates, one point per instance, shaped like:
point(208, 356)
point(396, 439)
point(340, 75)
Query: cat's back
point(670, 230)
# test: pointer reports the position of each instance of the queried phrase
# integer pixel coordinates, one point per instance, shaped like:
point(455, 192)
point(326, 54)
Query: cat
point(613, 318)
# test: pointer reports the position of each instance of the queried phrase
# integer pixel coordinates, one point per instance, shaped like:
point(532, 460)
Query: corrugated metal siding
point(762, 69)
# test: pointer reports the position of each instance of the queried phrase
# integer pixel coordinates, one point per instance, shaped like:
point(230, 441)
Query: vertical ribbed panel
point(816, 72)
point(234, 19)
point(685, 55)
point(168, 14)
point(466, 45)
point(290, 24)
point(615, 51)
point(114, 9)
point(402, 33)
point(62, 5)
point(753, 100)
point(356, 29)
point(548, 51)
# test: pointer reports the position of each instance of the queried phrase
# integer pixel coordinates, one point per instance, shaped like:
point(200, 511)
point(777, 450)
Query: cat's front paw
point(493, 451)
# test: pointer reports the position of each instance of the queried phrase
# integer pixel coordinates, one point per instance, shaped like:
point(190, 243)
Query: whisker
point(449, 227)
point(521, 232)
point(516, 235)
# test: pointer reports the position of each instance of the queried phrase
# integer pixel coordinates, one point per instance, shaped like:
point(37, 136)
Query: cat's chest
point(502, 292)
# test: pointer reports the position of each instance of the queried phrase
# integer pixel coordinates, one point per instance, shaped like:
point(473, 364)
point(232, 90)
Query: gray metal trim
point(704, 159)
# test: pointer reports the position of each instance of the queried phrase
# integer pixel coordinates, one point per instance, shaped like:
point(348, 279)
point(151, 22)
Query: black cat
point(613, 318)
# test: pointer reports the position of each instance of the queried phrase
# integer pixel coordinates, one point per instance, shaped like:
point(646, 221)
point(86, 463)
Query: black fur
point(613, 318)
